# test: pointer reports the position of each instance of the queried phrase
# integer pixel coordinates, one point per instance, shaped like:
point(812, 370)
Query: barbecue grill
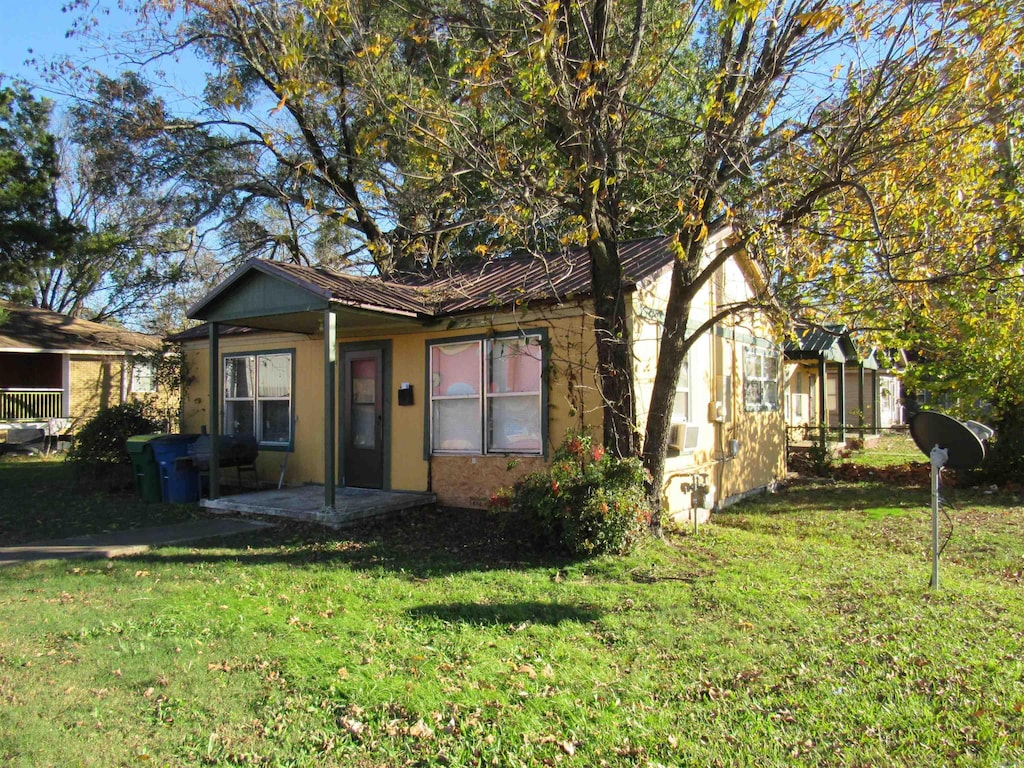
point(238, 451)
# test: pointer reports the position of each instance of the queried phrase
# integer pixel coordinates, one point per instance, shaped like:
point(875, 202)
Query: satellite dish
point(962, 443)
point(947, 443)
point(982, 431)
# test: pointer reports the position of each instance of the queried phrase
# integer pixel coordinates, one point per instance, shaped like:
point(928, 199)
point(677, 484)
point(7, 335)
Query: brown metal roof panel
point(494, 283)
point(202, 331)
point(365, 291)
point(504, 281)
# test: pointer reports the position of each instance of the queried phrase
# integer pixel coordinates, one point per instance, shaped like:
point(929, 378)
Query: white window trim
point(138, 365)
point(684, 384)
point(476, 396)
point(762, 354)
point(490, 397)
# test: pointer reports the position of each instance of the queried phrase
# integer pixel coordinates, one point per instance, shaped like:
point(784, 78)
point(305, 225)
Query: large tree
point(120, 217)
point(30, 224)
point(300, 164)
point(617, 118)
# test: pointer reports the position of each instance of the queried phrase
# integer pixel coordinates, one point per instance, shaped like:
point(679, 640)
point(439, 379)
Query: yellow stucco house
point(458, 386)
point(57, 371)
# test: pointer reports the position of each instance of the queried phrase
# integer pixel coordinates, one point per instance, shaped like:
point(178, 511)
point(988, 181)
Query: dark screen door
point(364, 419)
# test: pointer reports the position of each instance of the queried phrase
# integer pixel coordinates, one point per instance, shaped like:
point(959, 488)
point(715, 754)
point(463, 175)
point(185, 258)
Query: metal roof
point(833, 341)
point(494, 283)
point(32, 329)
point(506, 281)
point(371, 292)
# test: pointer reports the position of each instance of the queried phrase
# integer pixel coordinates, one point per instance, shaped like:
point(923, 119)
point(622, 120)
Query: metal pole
point(213, 425)
point(938, 457)
point(330, 394)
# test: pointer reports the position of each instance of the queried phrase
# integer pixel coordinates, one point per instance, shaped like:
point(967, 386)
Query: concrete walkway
point(134, 542)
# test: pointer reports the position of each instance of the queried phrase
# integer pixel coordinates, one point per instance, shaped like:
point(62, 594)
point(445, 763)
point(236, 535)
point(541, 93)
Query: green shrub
point(102, 439)
point(586, 503)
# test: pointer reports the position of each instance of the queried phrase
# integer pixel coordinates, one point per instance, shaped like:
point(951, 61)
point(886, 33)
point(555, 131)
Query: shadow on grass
point(42, 499)
point(36, 505)
point(479, 614)
point(417, 544)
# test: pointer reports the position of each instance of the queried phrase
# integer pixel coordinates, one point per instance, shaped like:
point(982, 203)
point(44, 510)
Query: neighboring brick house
point(57, 371)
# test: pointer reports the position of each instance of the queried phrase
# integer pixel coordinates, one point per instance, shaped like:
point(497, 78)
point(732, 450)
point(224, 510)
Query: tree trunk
point(614, 348)
point(671, 352)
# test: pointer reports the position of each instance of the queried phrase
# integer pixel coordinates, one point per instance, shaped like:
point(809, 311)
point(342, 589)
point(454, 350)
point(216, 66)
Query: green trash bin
point(145, 467)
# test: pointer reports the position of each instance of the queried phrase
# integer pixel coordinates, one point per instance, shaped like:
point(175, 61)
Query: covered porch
point(352, 412)
point(306, 503)
point(841, 395)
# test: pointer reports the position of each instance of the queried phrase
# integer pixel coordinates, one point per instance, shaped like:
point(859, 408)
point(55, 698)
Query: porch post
point(214, 410)
point(841, 401)
point(65, 395)
point(876, 408)
point(823, 399)
point(330, 393)
point(860, 398)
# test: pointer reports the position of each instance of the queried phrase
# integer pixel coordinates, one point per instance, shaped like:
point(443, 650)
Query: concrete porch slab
point(306, 503)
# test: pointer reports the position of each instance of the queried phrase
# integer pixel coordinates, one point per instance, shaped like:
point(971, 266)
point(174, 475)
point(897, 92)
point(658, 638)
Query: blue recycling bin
point(179, 479)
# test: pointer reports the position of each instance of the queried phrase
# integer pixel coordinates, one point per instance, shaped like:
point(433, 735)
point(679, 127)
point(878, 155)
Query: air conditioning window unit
point(684, 438)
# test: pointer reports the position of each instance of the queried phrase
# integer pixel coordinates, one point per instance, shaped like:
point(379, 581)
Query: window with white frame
point(258, 396)
point(143, 376)
point(681, 405)
point(486, 396)
point(760, 379)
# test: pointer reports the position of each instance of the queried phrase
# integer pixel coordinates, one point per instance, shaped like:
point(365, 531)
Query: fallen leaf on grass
point(352, 726)
point(566, 746)
point(420, 730)
point(528, 670)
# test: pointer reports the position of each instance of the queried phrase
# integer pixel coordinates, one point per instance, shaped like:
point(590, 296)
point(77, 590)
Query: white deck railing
point(25, 404)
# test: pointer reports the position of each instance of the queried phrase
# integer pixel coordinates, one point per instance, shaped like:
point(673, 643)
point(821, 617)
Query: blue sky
point(33, 28)
point(38, 29)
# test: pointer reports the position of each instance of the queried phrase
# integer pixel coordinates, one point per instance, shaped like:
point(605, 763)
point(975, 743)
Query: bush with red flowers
point(585, 503)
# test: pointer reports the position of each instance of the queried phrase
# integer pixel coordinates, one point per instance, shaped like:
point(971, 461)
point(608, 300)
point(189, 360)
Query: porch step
point(306, 503)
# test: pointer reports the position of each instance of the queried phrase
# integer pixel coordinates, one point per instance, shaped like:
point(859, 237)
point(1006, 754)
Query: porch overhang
point(257, 297)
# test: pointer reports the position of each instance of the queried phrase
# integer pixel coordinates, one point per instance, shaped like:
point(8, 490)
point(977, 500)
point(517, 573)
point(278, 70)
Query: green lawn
point(894, 448)
point(797, 630)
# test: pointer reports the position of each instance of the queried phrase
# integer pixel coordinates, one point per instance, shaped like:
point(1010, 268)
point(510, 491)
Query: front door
point(363, 415)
